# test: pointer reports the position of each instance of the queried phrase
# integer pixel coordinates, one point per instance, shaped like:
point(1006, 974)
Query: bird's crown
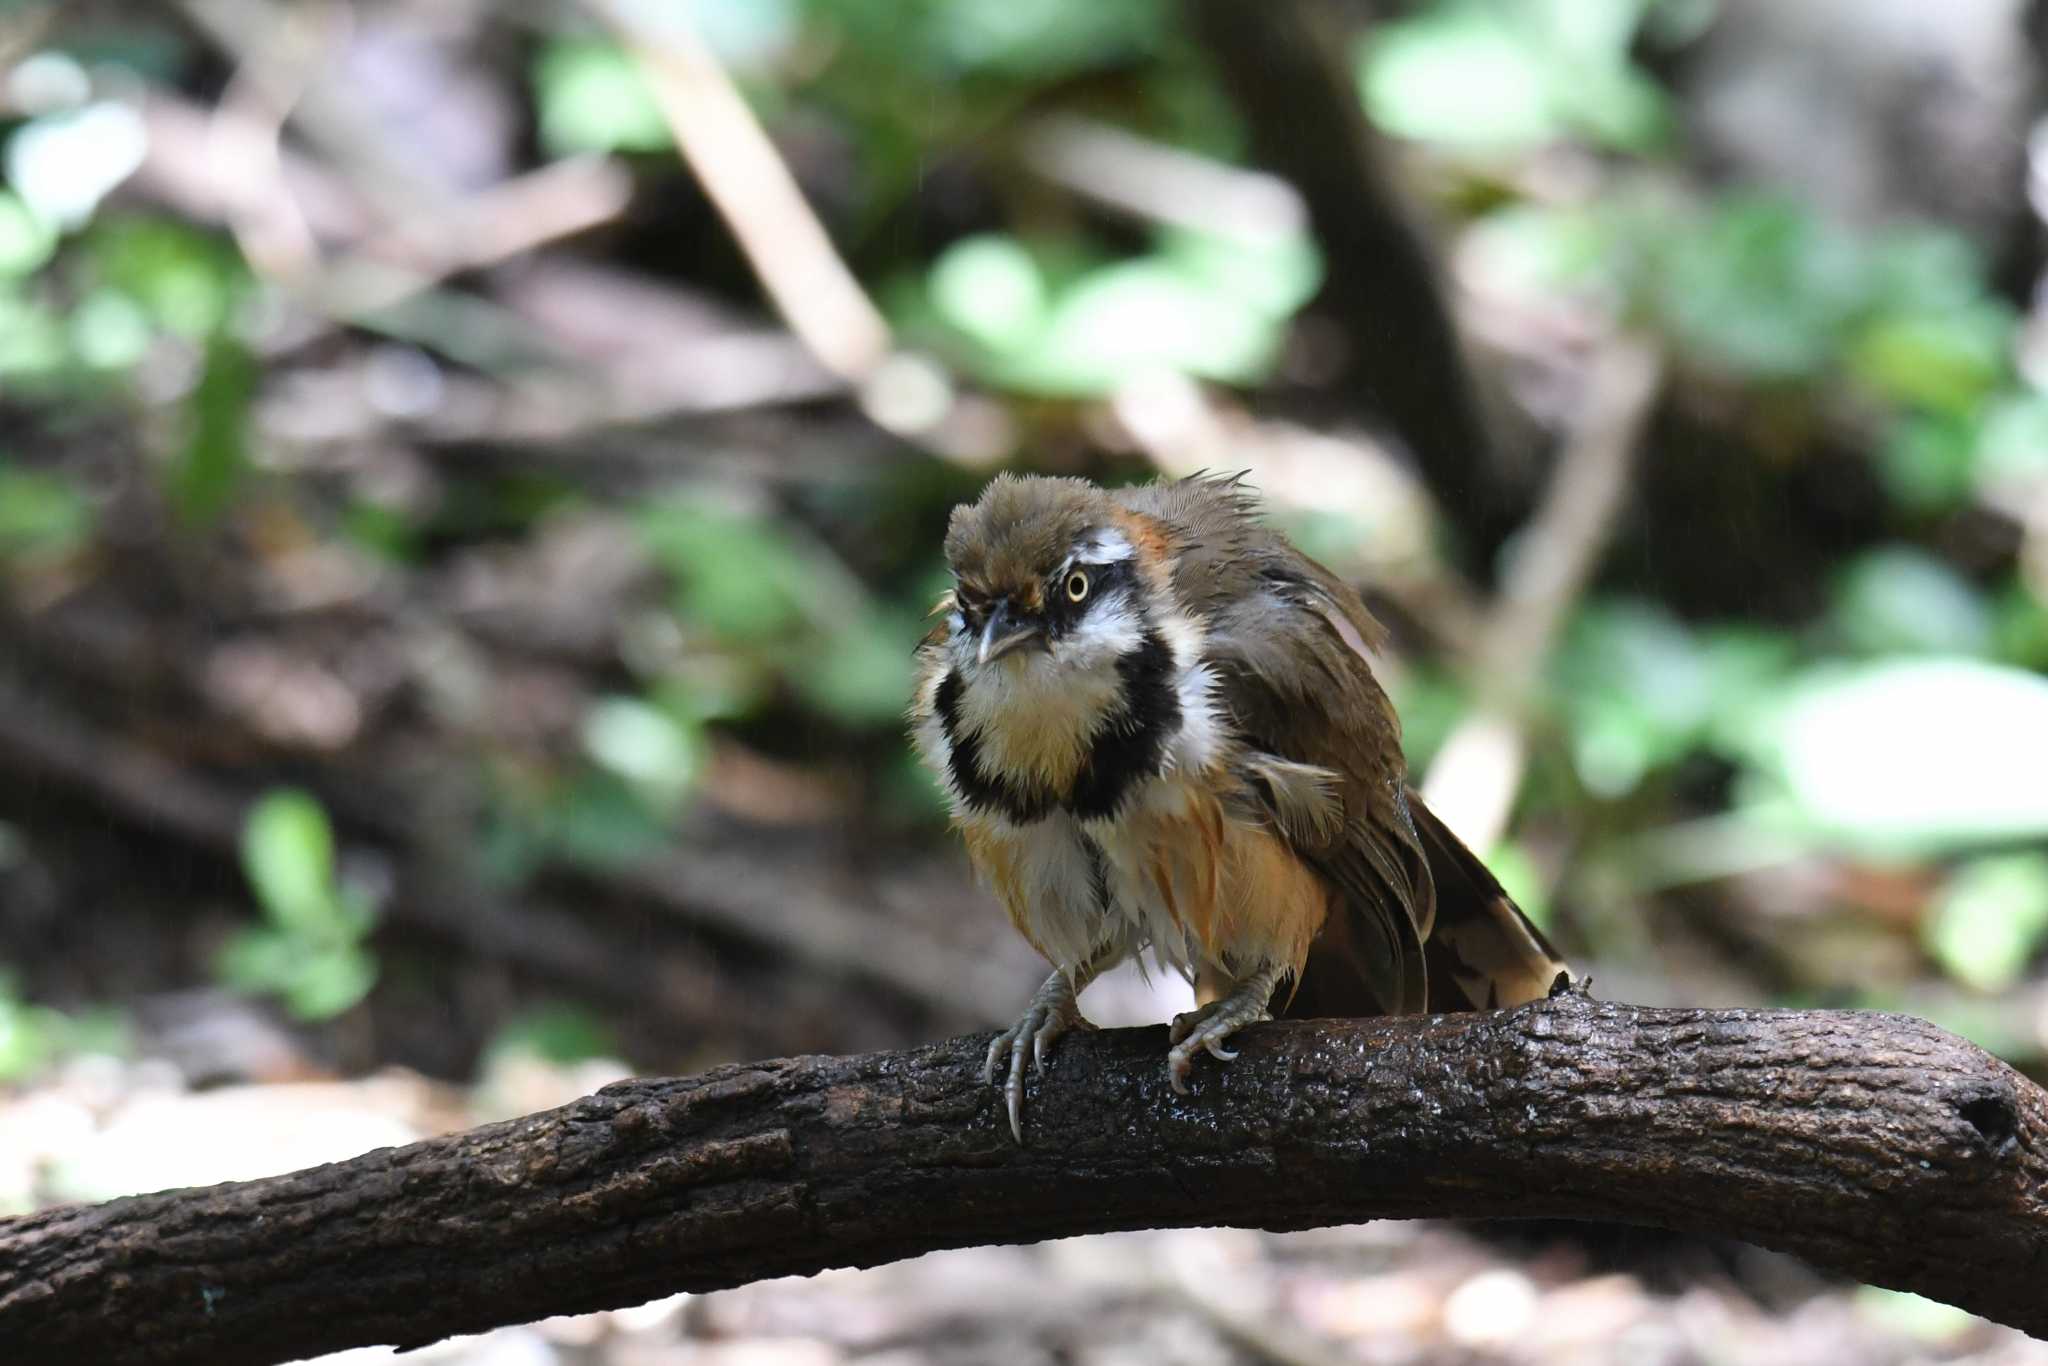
point(1012, 539)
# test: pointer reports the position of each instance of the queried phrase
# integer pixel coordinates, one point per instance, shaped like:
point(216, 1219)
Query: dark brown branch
point(1875, 1145)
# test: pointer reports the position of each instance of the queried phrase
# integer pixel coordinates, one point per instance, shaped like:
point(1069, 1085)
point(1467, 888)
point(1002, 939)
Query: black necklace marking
point(1132, 746)
point(1021, 804)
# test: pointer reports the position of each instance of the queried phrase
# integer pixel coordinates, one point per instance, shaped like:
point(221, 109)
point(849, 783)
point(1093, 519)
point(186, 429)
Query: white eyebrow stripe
point(1101, 547)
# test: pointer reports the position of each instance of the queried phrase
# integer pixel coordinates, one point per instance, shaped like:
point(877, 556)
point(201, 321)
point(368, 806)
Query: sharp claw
point(1207, 1029)
point(1051, 1014)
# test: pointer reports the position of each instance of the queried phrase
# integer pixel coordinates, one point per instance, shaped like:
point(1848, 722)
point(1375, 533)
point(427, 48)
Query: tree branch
point(1874, 1145)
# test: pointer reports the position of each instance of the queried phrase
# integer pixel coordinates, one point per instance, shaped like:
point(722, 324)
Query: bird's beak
point(1005, 631)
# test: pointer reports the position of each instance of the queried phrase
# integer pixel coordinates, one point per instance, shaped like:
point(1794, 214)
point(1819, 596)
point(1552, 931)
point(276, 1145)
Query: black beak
point(1005, 631)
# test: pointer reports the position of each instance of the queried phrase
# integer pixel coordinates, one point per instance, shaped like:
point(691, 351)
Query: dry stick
point(1472, 783)
point(1874, 1145)
point(754, 192)
point(1159, 183)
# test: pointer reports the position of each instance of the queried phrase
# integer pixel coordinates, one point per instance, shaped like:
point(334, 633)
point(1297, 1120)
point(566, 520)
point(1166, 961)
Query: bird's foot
point(1196, 1031)
point(1053, 1011)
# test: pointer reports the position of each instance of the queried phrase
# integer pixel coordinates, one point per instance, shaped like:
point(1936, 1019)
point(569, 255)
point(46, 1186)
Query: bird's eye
point(1077, 586)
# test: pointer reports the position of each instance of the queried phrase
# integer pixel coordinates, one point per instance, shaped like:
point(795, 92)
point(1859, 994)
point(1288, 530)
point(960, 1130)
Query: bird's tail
point(1482, 952)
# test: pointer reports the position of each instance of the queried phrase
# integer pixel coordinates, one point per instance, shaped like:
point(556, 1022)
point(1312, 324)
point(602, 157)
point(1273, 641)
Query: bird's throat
point(1029, 738)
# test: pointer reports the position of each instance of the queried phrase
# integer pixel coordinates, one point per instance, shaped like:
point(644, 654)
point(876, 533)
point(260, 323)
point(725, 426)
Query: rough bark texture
point(1875, 1145)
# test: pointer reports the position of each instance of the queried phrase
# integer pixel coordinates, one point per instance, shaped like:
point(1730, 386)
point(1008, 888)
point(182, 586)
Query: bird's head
point(1050, 573)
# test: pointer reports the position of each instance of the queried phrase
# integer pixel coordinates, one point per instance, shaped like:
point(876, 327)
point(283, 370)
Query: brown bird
point(1158, 728)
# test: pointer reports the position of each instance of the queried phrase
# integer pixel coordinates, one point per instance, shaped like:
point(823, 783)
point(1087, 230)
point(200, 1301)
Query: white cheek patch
point(1111, 629)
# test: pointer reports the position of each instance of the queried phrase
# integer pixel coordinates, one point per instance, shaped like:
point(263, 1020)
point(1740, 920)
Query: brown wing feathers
point(1419, 921)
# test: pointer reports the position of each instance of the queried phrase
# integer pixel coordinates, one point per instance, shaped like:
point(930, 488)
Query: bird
point(1159, 735)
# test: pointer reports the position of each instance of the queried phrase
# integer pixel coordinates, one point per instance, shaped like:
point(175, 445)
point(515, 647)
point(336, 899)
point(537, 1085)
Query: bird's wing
point(1290, 672)
point(1423, 924)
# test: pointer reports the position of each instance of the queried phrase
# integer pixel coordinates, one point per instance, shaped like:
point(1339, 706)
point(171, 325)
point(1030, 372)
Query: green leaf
point(2021, 625)
point(109, 331)
point(1927, 463)
point(561, 1034)
point(990, 288)
point(746, 34)
point(1273, 278)
point(288, 857)
point(1902, 600)
point(27, 1038)
point(644, 745)
point(592, 98)
point(187, 281)
point(1762, 286)
point(603, 822)
point(1490, 75)
point(64, 163)
point(1458, 74)
point(1905, 756)
point(1636, 690)
point(864, 675)
point(216, 454)
point(2012, 445)
point(741, 578)
point(259, 959)
point(1040, 39)
point(26, 240)
point(41, 515)
point(327, 983)
point(32, 343)
point(1522, 879)
point(1991, 917)
point(1137, 317)
point(1944, 362)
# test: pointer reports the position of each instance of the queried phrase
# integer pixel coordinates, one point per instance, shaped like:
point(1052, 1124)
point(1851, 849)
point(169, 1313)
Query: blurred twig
point(1286, 65)
point(1163, 184)
point(1473, 782)
point(746, 178)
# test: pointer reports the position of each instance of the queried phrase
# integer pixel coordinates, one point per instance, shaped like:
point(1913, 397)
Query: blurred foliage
point(34, 1037)
point(560, 1034)
point(1060, 320)
point(310, 952)
point(1506, 74)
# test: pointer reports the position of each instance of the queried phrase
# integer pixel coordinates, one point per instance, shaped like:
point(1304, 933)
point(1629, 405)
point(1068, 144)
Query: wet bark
point(1875, 1145)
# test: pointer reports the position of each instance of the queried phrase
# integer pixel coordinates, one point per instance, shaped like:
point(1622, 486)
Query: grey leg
point(1052, 1012)
point(1248, 1003)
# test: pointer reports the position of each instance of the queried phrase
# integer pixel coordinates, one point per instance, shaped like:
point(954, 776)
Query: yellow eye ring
point(1077, 586)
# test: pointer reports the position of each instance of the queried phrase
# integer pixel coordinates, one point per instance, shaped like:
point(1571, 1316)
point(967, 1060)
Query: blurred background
point(472, 475)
